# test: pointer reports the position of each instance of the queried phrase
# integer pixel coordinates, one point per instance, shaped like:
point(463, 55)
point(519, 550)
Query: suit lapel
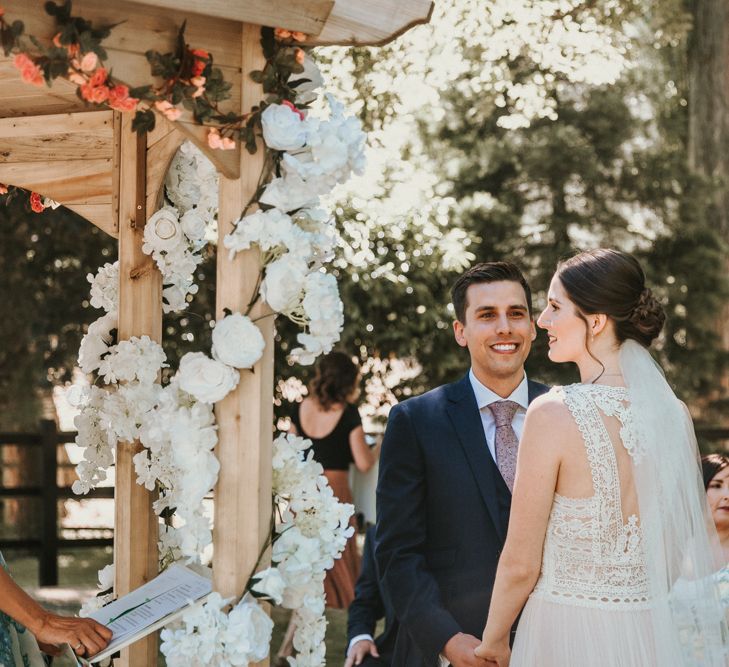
point(466, 420)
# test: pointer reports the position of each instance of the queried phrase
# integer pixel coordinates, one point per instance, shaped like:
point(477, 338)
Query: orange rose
point(3, 187)
point(119, 99)
point(98, 77)
point(281, 33)
point(36, 203)
point(300, 56)
point(299, 36)
point(57, 40)
point(29, 71)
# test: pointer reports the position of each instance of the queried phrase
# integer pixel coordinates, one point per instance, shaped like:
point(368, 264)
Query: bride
point(608, 520)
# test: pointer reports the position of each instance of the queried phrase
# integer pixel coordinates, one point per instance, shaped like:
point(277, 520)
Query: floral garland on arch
point(307, 155)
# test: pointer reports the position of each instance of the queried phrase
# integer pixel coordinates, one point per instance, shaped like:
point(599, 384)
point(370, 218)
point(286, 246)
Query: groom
point(446, 472)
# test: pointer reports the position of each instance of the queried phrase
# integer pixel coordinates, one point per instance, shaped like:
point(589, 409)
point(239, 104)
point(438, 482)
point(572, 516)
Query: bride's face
point(565, 328)
point(717, 494)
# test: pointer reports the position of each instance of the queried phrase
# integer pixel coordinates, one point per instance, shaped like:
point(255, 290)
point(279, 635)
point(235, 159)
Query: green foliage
point(45, 259)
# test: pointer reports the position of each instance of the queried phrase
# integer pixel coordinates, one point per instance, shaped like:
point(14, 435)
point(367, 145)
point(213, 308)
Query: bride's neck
point(724, 541)
point(598, 364)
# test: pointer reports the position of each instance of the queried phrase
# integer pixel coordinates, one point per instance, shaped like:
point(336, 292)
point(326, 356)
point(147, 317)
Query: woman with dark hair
point(330, 419)
point(716, 482)
point(608, 515)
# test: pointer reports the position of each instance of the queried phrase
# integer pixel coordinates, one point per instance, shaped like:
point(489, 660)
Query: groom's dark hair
point(486, 272)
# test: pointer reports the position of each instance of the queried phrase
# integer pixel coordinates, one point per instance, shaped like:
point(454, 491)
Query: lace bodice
point(592, 555)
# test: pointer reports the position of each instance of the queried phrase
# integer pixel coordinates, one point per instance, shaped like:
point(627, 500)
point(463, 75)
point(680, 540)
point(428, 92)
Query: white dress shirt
point(484, 397)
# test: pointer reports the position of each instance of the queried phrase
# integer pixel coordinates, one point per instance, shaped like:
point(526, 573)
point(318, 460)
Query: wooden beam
point(374, 23)
point(136, 528)
point(307, 16)
point(67, 157)
point(245, 417)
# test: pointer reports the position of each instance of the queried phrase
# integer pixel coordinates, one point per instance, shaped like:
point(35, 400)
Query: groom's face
point(498, 329)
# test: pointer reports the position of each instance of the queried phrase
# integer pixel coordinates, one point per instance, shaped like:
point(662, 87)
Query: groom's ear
point(458, 333)
point(534, 329)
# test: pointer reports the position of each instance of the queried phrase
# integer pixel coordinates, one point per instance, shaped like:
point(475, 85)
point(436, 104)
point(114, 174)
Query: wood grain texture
point(136, 527)
point(245, 417)
point(375, 22)
point(307, 16)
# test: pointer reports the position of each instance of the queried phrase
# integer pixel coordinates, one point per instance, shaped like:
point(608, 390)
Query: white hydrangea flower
point(93, 438)
point(105, 287)
point(96, 342)
point(289, 193)
point(270, 584)
point(237, 341)
point(134, 359)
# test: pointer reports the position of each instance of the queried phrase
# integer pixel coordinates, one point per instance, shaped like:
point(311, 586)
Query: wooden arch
point(90, 161)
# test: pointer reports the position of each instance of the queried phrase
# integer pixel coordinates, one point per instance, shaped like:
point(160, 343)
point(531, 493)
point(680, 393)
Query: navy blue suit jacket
point(442, 514)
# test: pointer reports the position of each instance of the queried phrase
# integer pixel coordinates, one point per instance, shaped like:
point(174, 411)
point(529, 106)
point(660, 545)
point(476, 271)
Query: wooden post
point(48, 562)
point(245, 417)
point(140, 312)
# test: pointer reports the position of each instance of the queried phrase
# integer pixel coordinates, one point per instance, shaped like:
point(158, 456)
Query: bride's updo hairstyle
point(611, 282)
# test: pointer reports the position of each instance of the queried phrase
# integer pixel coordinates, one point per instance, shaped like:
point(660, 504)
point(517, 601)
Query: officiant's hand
point(496, 654)
point(459, 651)
point(85, 636)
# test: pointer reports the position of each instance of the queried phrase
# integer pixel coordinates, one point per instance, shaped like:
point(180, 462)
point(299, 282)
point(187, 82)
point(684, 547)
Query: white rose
point(193, 225)
point(270, 584)
point(237, 341)
point(284, 282)
point(162, 231)
point(283, 129)
point(106, 577)
point(208, 380)
point(247, 637)
point(289, 193)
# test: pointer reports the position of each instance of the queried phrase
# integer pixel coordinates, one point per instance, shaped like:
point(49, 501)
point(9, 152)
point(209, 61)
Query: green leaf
point(144, 121)
point(256, 75)
point(17, 28)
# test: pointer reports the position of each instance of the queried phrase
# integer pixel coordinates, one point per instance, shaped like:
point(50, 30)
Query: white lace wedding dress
point(591, 605)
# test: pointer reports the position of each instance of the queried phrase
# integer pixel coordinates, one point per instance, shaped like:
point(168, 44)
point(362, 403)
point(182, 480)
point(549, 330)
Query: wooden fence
point(47, 545)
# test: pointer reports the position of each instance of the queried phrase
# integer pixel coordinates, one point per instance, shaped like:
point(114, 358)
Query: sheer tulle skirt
point(553, 634)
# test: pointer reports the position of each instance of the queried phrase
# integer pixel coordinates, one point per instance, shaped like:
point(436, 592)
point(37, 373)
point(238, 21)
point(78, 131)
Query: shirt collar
point(485, 396)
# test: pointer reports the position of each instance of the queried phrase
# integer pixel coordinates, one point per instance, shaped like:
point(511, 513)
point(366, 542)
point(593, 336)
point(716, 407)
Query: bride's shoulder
point(550, 406)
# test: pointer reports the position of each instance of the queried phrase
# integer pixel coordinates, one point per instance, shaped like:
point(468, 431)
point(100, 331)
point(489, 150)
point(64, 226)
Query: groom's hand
point(459, 651)
point(359, 651)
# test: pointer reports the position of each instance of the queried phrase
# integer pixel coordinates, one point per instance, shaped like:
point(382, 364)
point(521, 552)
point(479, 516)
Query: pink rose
point(89, 62)
point(119, 99)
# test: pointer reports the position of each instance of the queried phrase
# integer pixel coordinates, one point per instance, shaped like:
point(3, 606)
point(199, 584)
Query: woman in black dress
point(329, 418)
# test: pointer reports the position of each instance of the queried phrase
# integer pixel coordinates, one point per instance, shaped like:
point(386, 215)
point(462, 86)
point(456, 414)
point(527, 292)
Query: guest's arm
point(364, 456)
point(50, 628)
point(520, 563)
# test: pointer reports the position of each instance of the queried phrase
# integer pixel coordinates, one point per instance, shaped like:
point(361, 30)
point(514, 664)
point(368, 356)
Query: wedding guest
point(716, 482)
point(371, 603)
point(329, 417)
point(26, 628)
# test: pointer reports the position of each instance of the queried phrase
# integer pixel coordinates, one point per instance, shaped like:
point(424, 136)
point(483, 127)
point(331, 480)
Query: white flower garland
point(176, 423)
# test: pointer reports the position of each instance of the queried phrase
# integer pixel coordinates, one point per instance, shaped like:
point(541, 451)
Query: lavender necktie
point(506, 443)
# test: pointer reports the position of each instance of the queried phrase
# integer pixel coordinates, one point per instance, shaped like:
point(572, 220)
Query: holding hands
point(495, 653)
point(461, 651)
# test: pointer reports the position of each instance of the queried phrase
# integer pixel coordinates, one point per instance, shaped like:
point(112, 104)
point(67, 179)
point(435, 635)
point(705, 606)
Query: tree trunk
point(708, 135)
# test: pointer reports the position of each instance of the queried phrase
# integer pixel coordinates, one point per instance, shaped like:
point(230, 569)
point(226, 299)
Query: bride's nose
point(542, 321)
